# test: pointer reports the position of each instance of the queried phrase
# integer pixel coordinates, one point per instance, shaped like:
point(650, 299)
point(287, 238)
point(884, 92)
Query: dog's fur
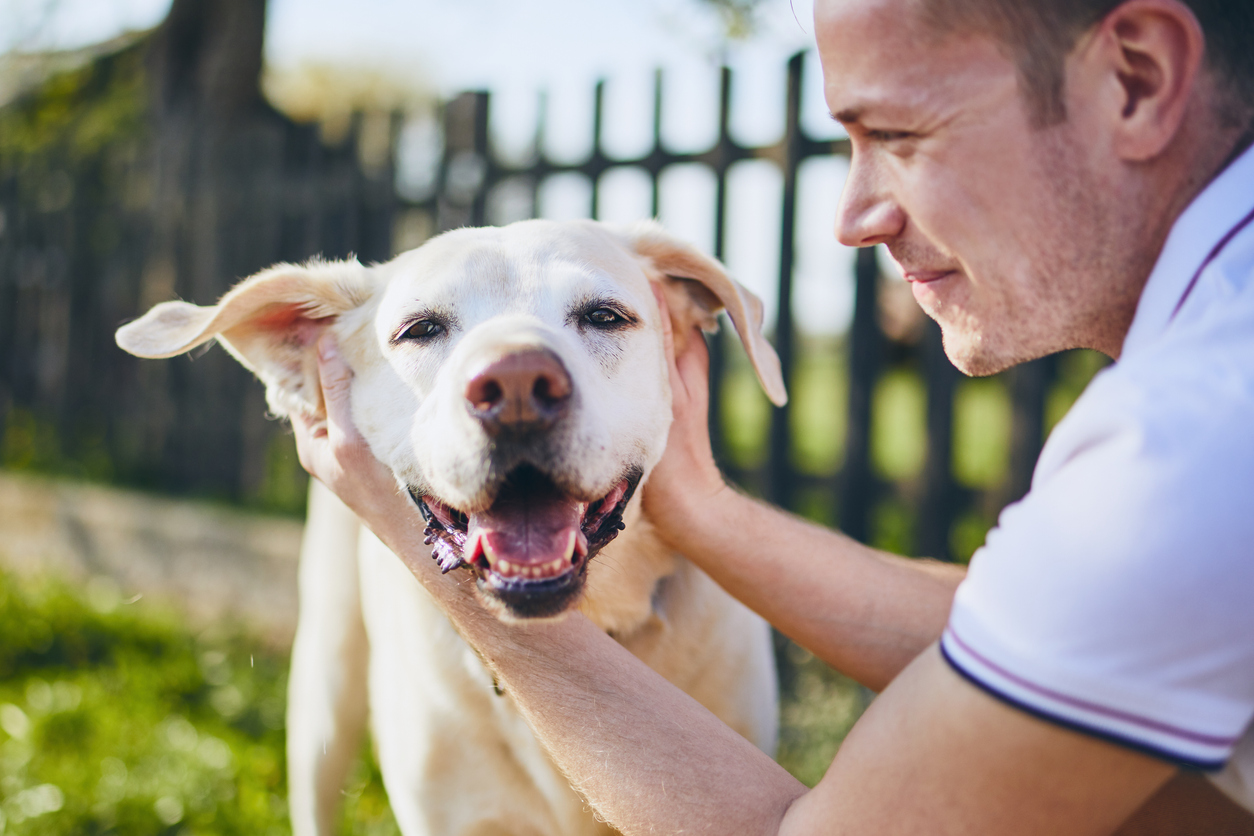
point(455, 755)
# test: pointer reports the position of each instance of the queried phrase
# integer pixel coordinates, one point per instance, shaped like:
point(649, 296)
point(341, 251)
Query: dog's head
point(513, 379)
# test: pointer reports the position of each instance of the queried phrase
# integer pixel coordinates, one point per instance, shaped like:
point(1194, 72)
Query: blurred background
point(150, 510)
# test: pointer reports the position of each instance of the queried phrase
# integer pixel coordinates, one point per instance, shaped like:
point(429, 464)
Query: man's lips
point(926, 276)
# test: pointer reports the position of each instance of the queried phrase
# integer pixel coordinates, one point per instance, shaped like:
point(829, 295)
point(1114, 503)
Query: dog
point(515, 382)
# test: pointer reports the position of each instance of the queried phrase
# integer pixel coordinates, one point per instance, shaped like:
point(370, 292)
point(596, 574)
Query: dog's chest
point(442, 728)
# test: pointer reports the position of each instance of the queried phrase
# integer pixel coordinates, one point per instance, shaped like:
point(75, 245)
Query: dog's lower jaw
point(446, 545)
point(525, 593)
point(531, 605)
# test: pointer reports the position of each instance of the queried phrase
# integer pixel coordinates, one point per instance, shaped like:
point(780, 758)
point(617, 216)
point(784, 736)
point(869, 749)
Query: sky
point(516, 48)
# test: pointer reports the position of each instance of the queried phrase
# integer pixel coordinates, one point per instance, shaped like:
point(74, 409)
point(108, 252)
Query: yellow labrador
point(514, 380)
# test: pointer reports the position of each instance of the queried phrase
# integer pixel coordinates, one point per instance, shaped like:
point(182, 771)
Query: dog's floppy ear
point(697, 287)
point(270, 322)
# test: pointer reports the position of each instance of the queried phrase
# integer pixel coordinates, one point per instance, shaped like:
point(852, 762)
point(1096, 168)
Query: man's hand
point(335, 454)
point(686, 481)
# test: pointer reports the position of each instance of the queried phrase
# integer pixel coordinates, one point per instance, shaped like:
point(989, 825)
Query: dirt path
point(214, 563)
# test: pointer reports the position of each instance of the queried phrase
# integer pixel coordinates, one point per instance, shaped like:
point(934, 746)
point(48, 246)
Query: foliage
point(114, 718)
point(739, 17)
point(30, 443)
point(818, 708)
point(34, 445)
point(75, 119)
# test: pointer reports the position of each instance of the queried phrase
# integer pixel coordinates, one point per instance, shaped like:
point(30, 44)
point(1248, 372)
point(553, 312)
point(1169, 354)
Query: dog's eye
point(423, 329)
point(604, 316)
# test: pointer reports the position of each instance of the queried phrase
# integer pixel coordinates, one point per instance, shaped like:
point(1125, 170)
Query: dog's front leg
point(326, 690)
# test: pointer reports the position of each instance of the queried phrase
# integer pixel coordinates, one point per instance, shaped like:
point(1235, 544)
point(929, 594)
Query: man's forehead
point(896, 20)
point(880, 58)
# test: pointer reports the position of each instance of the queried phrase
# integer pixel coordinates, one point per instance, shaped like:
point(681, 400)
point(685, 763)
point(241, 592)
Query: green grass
point(982, 424)
point(818, 708)
point(116, 719)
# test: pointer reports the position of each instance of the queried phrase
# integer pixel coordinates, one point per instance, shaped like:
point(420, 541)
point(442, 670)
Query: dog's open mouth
point(531, 547)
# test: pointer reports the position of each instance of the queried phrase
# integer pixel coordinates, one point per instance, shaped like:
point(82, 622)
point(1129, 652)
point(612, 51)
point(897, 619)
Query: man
point(1048, 174)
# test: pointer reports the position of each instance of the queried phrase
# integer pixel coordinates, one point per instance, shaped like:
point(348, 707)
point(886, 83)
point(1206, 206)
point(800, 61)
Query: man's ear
point(1153, 51)
point(697, 288)
point(270, 322)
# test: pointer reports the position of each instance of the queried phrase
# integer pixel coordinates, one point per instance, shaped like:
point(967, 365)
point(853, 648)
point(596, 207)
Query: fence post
point(779, 476)
point(858, 486)
point(939, 501)
point(716, 342)
point(1029, 385)
point(462, 192)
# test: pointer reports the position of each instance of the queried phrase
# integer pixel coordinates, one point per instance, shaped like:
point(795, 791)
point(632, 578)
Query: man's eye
point(422, 329)
point(887, 136)
point(604, 316)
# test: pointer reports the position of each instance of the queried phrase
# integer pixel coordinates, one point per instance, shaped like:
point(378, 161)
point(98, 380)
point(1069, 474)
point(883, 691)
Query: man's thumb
point(336, 378)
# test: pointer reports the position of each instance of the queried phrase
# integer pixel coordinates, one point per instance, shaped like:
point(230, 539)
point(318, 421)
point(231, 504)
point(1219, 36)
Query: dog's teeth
point(570, 545)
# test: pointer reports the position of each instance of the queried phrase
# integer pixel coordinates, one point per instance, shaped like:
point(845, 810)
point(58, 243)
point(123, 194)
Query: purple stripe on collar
point(1211, 256)
point(1153, 725)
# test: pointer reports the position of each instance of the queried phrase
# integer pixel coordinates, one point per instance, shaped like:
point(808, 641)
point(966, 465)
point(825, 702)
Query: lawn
point(117, 719)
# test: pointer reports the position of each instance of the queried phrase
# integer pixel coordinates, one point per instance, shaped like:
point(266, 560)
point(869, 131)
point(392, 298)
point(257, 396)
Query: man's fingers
point(691, 370)
point(696, 357)
point(336, 379)
point(668, 335)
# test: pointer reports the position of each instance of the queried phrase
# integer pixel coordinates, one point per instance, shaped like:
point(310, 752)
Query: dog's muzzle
point(530, 548)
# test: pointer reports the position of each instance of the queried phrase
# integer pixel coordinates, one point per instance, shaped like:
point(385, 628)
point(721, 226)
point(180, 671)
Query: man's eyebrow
point(848, 116)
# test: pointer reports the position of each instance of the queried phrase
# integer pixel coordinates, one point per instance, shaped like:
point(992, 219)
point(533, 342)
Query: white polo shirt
point(1117, 597)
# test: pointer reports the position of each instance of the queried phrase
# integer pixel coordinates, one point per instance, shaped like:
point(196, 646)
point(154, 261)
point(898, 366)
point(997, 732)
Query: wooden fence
point(180, 197)
point(182, 209)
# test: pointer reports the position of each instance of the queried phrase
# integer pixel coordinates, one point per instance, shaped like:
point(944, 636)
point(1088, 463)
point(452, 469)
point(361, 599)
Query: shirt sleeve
point(1117, 597)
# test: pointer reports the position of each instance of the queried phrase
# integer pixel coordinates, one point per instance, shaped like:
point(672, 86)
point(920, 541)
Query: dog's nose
point(521, 392)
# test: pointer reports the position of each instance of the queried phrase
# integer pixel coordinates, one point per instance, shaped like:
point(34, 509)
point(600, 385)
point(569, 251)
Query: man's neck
point(1243, 143)
point(1205, 150)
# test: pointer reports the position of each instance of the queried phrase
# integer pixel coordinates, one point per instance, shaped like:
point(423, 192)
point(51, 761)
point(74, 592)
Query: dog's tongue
point(529, 533)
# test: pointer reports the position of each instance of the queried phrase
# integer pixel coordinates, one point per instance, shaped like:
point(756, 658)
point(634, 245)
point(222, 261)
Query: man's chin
point(974, 354)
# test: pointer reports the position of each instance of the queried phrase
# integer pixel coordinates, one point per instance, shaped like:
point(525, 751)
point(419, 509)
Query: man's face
point(1002, 229)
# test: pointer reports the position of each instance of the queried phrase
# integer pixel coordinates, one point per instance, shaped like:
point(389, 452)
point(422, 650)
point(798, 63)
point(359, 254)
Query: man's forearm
point(864, 612)
point(643, 752)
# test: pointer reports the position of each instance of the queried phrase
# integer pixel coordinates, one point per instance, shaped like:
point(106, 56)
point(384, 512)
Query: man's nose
point(523, 391)
point(867, 214)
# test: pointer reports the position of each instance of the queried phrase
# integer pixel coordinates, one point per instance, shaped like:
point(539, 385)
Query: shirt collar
point(1219, 207)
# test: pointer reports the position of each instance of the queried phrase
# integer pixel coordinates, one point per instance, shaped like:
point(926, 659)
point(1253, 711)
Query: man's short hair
point(1039, 34)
